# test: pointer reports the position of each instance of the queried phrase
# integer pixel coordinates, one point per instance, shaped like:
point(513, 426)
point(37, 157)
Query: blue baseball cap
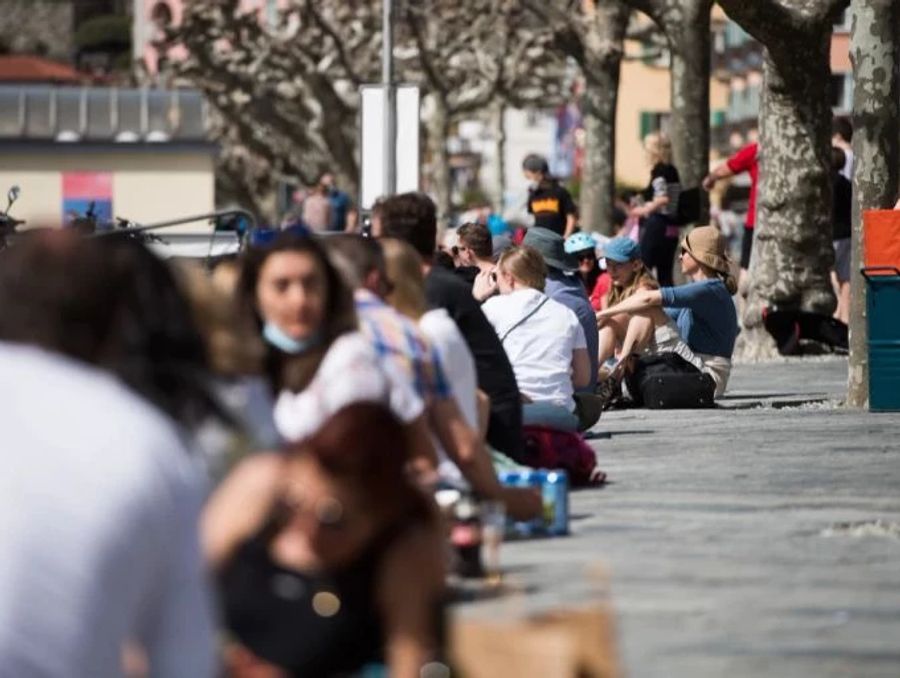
point(621, 250)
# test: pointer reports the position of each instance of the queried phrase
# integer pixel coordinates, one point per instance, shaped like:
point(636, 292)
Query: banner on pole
point(372, 184)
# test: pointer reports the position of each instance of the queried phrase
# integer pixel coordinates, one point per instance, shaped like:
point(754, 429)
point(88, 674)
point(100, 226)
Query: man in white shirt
point(99, 502)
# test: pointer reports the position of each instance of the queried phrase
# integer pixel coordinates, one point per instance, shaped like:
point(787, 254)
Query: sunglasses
point(584, 256)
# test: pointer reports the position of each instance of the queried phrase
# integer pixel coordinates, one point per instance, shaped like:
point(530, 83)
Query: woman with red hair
point(329, 558)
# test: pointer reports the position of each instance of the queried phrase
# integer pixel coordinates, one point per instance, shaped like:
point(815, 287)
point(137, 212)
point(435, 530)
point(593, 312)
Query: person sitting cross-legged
point(543, 339)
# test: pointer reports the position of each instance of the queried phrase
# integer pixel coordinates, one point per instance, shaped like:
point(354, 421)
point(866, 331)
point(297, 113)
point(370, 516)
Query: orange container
point(881, 233)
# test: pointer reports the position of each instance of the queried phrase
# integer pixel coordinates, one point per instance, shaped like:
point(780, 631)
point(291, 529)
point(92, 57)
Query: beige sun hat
point(706, 245)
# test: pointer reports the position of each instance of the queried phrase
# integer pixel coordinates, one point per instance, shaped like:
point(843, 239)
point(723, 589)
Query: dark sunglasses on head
point(581, 256)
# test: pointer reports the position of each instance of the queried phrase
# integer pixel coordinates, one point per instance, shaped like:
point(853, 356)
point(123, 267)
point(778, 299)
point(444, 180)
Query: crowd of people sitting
point(365, 374)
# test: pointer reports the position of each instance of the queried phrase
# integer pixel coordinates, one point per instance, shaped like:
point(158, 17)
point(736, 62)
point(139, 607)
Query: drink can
point(554, 488)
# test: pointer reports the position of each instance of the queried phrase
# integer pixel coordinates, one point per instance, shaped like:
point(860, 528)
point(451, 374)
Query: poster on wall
point(81, 189)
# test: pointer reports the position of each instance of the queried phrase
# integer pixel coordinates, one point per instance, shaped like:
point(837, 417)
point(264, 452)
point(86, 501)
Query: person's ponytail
point(730, 283)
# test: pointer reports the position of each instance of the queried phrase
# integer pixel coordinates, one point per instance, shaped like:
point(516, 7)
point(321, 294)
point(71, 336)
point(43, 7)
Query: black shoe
point(608, 391)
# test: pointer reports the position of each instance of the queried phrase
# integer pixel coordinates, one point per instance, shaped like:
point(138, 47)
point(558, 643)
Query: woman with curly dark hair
point(329, 558)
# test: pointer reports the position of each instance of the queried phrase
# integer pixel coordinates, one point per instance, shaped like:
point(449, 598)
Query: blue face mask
point(277, 338)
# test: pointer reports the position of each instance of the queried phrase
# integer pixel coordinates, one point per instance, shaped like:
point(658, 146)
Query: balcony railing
point(101, 114)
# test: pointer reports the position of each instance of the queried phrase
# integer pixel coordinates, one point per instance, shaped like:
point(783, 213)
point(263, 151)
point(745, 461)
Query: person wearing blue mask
point(316, 359)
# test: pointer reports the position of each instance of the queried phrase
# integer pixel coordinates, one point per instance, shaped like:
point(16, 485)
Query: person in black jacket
point(411, 217)
point(843, 191)
point(659, 231)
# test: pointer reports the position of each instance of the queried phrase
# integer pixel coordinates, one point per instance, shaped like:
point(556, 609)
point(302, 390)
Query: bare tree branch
point(786, 18)
point(339, 44)
point(289, 94)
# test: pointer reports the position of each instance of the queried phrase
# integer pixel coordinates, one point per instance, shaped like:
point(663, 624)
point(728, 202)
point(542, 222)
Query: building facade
point(134, 153)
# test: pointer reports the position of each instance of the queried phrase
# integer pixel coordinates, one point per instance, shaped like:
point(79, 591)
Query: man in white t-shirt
point(542, 338)
point(99, 503)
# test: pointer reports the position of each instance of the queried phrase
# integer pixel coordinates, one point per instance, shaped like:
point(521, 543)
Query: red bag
point(552, 449)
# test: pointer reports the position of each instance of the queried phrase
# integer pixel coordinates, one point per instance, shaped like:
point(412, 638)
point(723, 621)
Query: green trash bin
point(883, 315)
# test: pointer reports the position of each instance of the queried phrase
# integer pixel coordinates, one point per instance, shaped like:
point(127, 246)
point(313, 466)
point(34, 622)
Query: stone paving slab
point(716, 533)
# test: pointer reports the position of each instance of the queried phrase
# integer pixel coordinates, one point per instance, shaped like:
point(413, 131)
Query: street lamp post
point(387, 81)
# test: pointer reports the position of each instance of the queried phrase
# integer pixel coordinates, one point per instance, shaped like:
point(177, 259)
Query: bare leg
point(637, 336)
point(836, 285)
point(607, 342)
point(844, 303)
point(640, 332)
point(611, 335)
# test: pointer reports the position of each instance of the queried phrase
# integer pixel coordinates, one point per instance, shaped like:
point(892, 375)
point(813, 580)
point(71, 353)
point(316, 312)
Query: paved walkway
point(726, 533)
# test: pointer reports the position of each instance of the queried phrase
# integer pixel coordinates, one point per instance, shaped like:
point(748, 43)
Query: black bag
point(689, 204)
point(790, 326)
point(668, 382)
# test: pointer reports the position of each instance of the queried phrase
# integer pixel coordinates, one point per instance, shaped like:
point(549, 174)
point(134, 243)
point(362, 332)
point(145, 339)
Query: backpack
point(667, 381)
point(553, 449)
point(688, 209)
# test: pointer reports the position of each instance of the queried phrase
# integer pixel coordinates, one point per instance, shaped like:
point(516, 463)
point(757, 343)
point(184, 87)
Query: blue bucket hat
point(621, 250)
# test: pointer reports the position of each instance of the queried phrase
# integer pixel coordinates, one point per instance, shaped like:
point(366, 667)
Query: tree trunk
point(598, 183)
point(875, 53)
point(339, 133)
point(500, 136)
point(601, 68)
point(690, 44)
point(686, 25)
point(237, 183)
point(793, 254)
point(439, 166)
